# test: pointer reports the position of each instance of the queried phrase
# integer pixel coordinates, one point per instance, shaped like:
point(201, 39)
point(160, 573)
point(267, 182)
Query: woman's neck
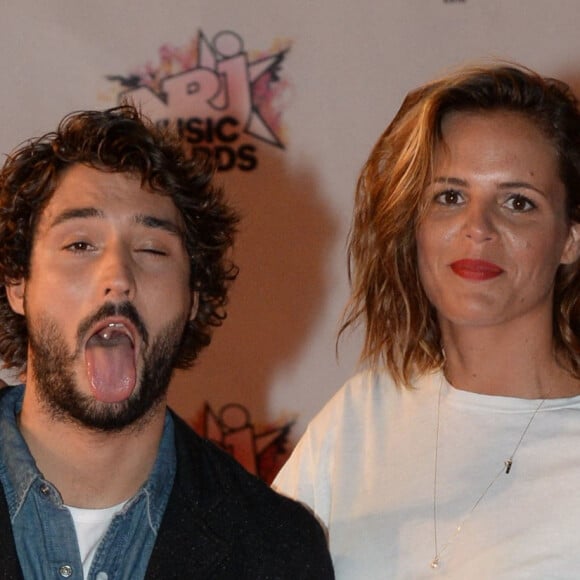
point(506, 362)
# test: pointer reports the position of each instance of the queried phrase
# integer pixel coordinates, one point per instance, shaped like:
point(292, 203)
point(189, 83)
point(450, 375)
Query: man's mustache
point(125, 309)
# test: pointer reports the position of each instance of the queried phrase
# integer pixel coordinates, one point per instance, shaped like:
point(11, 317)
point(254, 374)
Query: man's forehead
point(85, 192)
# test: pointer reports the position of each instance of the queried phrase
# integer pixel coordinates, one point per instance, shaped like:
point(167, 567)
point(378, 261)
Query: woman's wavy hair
point(401, 329)
point(117, 140)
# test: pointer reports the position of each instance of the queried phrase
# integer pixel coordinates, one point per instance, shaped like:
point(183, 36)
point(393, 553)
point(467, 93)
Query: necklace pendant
point(435, 562)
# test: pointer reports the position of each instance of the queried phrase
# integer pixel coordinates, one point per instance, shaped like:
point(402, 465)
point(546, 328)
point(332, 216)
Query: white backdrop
point(346, 70)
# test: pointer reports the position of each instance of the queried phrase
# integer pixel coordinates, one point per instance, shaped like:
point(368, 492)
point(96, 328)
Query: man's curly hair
point(119, 140)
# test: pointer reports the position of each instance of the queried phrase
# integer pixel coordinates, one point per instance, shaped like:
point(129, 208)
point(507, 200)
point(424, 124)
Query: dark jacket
point(220, 522)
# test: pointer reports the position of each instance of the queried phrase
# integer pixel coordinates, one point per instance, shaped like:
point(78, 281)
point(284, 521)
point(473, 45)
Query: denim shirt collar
point(18, 470)
point(158, 486)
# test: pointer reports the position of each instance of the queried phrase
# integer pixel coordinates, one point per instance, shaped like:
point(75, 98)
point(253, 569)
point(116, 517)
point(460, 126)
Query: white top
point(366, 465)
point(91, 525)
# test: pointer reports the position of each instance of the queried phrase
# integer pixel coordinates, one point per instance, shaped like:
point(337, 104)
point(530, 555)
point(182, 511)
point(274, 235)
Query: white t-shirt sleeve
point(306, 476)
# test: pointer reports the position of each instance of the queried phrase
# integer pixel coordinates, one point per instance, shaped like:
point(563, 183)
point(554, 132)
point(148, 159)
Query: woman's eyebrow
point(451, 181)
point(521, 185)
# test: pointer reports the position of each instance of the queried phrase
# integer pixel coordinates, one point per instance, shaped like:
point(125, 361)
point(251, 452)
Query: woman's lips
point(476, 269)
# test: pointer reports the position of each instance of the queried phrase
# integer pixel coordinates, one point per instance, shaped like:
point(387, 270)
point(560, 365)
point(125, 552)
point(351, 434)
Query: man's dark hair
point(118, 140)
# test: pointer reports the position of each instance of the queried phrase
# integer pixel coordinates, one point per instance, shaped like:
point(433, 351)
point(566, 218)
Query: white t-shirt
point(91, 525)
point(366, 466)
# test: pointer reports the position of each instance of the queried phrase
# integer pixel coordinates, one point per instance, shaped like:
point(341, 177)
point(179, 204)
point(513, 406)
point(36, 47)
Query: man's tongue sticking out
point(110, 362)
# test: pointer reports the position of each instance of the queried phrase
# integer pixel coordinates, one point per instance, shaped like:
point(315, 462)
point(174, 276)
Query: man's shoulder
point(219, 477)
point(219, 516)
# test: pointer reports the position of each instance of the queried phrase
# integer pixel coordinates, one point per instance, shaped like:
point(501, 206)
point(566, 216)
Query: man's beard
point(53, 367)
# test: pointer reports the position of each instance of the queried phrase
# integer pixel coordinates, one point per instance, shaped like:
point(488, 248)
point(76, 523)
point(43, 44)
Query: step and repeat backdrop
point(289, 98)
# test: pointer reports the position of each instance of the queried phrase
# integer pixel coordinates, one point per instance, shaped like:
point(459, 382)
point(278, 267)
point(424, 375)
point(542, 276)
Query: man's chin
point(63, 384)
point(113, 417)
point(132, 412)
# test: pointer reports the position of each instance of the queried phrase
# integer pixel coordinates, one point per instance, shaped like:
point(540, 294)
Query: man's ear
point(194, 306)
point(15, 294)
point(572, 247)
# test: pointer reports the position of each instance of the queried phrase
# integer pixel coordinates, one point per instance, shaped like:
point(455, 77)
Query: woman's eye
point(449, 197)
point(520, 203)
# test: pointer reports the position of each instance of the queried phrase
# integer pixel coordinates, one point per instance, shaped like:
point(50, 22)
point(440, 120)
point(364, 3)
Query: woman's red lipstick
point(476, 269)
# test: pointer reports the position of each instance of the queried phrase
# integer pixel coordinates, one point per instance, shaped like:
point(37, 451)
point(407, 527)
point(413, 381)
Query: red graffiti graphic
point(261, 451)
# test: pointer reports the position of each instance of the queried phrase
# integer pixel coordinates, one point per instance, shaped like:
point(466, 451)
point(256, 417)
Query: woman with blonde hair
point(455, 453)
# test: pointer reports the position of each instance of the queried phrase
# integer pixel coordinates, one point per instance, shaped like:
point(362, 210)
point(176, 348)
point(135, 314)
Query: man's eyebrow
point(150, 221)
point(145, 220)
point(76, 213)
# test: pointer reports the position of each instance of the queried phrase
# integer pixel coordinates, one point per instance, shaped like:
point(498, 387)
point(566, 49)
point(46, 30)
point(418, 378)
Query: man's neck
point(90, 469)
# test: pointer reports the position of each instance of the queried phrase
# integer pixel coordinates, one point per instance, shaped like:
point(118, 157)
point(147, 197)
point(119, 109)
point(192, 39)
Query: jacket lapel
point(187, 539)
point(9, 563)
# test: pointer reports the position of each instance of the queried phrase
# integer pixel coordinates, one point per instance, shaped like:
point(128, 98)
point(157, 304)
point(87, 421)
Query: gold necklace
point(504, 470)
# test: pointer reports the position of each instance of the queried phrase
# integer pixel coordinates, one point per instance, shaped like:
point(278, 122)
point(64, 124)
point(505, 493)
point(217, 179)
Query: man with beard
point(113, 256)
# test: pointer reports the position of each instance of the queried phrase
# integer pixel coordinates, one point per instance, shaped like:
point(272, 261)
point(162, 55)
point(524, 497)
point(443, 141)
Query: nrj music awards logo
point(222, 100)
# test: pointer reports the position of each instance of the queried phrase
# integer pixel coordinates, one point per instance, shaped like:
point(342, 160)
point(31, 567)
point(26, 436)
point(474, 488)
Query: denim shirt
point(43, 528)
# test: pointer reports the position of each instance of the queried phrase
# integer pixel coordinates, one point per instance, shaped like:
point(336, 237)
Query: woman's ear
point(571, 250)
point(15, 294)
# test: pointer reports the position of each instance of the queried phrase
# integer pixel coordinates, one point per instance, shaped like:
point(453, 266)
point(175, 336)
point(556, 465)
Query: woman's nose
point(479, 223)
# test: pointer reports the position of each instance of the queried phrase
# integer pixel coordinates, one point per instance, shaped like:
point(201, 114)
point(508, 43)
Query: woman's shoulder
point(379, 385)
point(367, 393)
point(370, 380)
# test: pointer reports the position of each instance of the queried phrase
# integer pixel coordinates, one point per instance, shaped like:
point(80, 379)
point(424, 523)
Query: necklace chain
point(505, 469)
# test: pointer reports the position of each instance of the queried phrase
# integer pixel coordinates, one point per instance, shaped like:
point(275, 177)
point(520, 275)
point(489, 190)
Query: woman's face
point(495, 229)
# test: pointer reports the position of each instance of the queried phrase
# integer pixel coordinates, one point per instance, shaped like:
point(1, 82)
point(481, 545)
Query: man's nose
point(117, 275)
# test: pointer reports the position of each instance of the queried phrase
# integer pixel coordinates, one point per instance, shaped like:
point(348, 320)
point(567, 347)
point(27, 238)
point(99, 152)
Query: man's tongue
point(110, 360)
